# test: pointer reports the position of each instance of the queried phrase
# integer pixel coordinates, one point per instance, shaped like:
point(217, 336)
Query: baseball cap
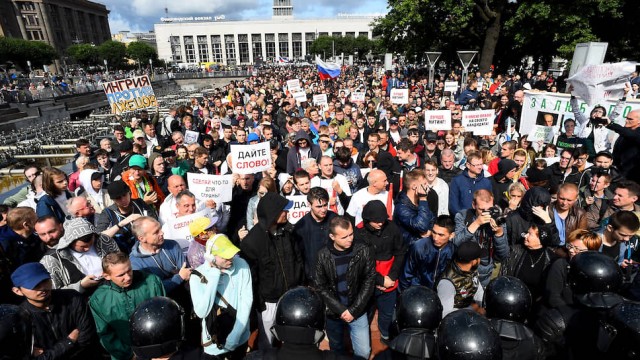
point(431, 137)
point(138, 134)
point(393, 120)
point(138, 161)
point(288, 206)
point(199, 225)
point(253, 137)
point(220, 245)
point(29, 275)
point(118, 189)
point(469, 251)
point(234, 122)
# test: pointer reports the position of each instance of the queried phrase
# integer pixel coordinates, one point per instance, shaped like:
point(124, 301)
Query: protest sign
point(479, 122)
point(542, 133)
point(320, 99)
point(190, 137)
point(437, 120)
point(357, 97)
point(538, 108)
point(293, 84)
point(178, 228)
point(250, 159)
point(399, 96)
point(594, 83)
point(211, 187)
point(299, 94)
point(300, 208)
point(451, 86)
point(130, 94)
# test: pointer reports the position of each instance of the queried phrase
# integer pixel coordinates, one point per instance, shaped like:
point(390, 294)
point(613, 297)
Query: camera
point(599, 121)
point(497, 215)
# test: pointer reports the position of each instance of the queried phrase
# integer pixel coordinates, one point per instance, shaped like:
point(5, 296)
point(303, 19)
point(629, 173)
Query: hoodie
point(352, 172)
point(273, 255)
point(293, 156)
point(165, 264)
point(519, 221)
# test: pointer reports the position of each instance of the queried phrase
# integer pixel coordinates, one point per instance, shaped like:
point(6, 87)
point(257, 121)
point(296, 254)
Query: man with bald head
point(377, 190)
point(80, 206)
point(169, 208)
point(626, 151)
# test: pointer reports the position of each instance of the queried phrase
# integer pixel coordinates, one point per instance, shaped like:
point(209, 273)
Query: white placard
point(300, 208)
point(399, 96)
point(357, 97)
point(479, 122)
point(451, 86)
point(178, 228)
point(250, 159)
point(190, 137)
point(320, 100)
point(299, 94)
point(437, 120)
point(594, 83)
point(542, 133)
point(293, 83)
point(211, 187)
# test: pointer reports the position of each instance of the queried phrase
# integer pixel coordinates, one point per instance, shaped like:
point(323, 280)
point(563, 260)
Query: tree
point(114, 52)
point(141, 52)
point(325, 45)
point(84, 54)
point(20, 51)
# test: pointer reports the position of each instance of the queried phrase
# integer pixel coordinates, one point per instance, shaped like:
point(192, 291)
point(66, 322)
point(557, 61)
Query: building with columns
point(59, 23)
point(193, 40)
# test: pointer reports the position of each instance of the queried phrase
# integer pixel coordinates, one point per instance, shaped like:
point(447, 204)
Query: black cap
point(393, 120)
point(469, 251)
point(118, 189)
point(125, 146)
point(431, 137)
point(604, 153)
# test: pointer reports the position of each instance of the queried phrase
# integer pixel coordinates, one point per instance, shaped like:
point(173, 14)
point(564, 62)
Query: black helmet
point(594, 279)
point(507, 298)
point(418, 307)
point(300, 317)
point(157, 327)
point(465, 335)
point(626, 319)
point(16, 340)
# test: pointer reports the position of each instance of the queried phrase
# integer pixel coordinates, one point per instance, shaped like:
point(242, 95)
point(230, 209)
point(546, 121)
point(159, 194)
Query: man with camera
point(485, 225)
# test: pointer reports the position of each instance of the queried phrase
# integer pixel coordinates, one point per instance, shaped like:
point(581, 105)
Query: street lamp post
point(151, 65)
point(106, 65)
point(432, 58)
point(466, 57)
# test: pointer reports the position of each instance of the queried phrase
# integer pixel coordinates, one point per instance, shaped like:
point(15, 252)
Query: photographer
point(626, 151)
point(484, 224)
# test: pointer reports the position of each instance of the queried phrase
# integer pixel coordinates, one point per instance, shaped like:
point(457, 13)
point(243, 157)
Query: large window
point(203, 48)
point(230, 46)
point(270, 42)
point(256, 42)
point(176, 49)
point(189, 49)
point(296, 42)
point(216, 44)
point(283, 44)
point(243, 48)
point(365, 34)
point(309, 38)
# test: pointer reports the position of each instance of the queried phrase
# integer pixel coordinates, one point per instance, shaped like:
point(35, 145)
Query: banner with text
point(300, 208)
point(211, 187)
point(357, 97)
point(399, 96)
point(451, 86)
point(178, 228)
point(250, 159)
point(437, 120)
point(130, 94)
point(299, 94)
point(597, 82)
point(551, 109)
point(479, 122)
point(293, 83)
point(320, 99)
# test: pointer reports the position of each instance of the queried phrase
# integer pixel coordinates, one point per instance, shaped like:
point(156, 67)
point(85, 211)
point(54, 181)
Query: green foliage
point(324, 45)
point(141, 52)
point(20, 51)
point(84, 54)
point(114, 52)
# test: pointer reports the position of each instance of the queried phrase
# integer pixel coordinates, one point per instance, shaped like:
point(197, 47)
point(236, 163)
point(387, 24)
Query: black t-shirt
point(612, 251)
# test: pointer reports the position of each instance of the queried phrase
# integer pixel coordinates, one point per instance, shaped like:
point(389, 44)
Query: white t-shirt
point(361, 198)
point(90, 261)
point(327, 184)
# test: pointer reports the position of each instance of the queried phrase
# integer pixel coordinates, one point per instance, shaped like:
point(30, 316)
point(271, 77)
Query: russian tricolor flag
point(327, 71)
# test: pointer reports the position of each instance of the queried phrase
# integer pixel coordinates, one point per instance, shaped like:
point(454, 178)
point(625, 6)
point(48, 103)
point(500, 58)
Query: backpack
point(219, 321)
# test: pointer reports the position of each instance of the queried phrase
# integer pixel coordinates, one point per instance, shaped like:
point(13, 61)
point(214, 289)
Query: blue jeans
point(385, 302)
point(360, 337)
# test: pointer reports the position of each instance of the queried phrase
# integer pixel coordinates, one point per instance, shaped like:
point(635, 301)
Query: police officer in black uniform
point(418, 313)
point(466, 335)
point(625, 317)
point(16, 339)
point(157, 331)
point(507, 301)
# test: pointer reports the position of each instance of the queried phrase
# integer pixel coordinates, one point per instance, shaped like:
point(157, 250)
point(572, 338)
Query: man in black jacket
point(626, 150)
point(387, 249)
point(62, 325)
point(345, 277)
point(274, 257)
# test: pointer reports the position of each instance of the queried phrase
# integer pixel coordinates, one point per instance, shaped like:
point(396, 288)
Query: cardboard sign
point(479, 122)
point(437, 120)
point(250, 159)
point(191, 137)
point(300, 208)
point(299, 94)
point(211, 187)
point(131, 94)
point(451, 86)
point(542, 133)
point(293, 83)
point(357, 97)
point(399, 96)
point(178, 228)
point(320, 100)
point(594, 83)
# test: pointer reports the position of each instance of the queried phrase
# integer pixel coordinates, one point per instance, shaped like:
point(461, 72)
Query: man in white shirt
point(169, 208)
point(336, 185)
point(377, 190)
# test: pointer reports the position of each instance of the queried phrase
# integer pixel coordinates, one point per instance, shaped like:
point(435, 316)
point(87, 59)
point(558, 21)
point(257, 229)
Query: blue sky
point(140, 15)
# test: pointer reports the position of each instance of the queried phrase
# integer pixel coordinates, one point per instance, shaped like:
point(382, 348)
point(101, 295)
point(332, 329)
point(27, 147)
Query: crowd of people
point(490, 246)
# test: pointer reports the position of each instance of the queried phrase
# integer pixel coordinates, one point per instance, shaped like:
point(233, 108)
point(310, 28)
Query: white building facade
point(244, 42)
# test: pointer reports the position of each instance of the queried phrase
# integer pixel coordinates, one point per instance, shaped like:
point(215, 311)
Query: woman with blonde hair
point(522, 159)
